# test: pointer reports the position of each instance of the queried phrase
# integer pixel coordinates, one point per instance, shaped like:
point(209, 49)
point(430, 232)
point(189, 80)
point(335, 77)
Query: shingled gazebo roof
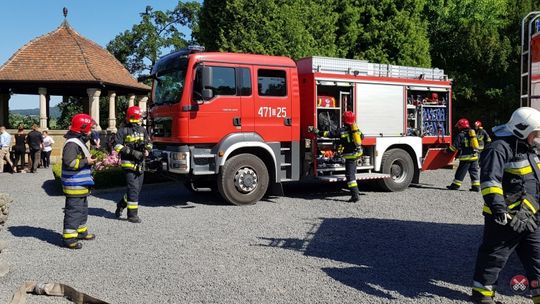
point(66, 63)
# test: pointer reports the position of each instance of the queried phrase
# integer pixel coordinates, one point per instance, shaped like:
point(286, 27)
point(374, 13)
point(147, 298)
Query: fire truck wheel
point(398, 163)
point(243, 179)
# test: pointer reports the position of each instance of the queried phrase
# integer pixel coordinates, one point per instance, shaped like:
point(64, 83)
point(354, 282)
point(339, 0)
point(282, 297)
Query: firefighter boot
point(452, 187)
point(120, 206)
point(72, 243)
point(479, 298)
point(475, 189)
point(132, 216)
point(355, 195)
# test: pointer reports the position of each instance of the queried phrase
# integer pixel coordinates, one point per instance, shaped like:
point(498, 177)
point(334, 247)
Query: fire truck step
point(359, 176)
point(204, 155)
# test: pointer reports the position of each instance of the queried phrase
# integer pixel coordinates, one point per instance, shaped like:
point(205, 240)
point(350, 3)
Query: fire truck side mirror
point(207, 92)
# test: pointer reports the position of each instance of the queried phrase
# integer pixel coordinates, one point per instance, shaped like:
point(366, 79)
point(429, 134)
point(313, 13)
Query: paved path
point(416, 246)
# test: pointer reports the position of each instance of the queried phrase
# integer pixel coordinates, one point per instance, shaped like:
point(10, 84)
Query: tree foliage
point(139, 48)
point(477, 42)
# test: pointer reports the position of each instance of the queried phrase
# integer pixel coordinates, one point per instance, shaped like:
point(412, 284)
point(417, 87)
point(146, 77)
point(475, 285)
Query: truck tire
point(243, 179)
point(399, 164)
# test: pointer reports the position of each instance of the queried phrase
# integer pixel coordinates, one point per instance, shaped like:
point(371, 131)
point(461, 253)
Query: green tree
point(472, 41)
point(139, 48)
point(384, 31)
point(69, 106)
point(294, 28)
point(16, 119)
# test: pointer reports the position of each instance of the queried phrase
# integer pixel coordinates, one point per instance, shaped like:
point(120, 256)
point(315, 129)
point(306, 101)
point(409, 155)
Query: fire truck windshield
point(169, 80)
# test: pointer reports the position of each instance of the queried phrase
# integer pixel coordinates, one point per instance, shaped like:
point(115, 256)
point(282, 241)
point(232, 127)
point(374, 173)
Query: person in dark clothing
point(20, 148)
point(466, 143)
point(510, 188)
point(76, 181)
point(133, 144)
point(95, 141)
point(482, 135)
point(351, 141)
point(34, 139)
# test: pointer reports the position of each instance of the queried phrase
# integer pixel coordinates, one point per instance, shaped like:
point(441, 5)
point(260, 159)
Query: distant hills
point(54, 112)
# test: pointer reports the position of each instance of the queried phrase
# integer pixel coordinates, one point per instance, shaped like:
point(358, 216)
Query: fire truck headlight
point(179, 156)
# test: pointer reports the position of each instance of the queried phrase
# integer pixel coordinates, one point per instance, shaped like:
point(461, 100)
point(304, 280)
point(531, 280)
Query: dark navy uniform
point(509, 184)
point(76, 182)
point(468, 161)
point(131, 142)
point(352, 150)
point(483, 138)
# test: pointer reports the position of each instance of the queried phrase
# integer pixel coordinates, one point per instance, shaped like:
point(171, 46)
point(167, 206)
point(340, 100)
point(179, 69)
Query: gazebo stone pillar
point(131, 101)
point(142, 103)
point(93, 98)
point(4, 109)
point(42, 108)
point(112, 112)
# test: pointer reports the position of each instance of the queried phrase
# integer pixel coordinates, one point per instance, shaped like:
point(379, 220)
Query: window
point(169, 80)
point(272, 83)
point(245, 86)
point(223, 81)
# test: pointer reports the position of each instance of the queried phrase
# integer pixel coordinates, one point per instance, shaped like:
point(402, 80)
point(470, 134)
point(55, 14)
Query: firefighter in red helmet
point(351, 141)
point(466, 143)
point(482, 135)
point(133, 144)
point(77, 180)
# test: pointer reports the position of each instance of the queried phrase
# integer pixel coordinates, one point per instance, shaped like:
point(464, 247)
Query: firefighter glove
point(523, 220)
point(137, 155)
point(501, 218)
point(313, 130)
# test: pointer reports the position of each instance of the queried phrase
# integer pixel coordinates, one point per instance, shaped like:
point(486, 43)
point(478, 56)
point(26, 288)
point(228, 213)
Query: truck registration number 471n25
point(272, 112)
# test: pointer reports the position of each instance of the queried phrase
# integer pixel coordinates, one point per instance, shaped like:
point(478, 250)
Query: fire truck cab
point(239, 123)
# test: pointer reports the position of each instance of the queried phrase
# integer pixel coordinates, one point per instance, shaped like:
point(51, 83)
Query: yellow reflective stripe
point(452, 148)
point(134, 120)
point(352, 184)
point(492, 190)
point(70, 235)
point(484, 292)
point(128, 165)
point(486, 209)
point(531, 207)
point(77, 163)
point(519, 171)
point(133, 206)
point(468, 157)
point(76, 192)
point(514, 205)
point(82, 229)
point(118, 147)
point(325, 134)
point(457, 182)
point(130, 138)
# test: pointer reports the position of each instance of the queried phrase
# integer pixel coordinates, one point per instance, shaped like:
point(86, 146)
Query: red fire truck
point(530, 60)
point(239, 123)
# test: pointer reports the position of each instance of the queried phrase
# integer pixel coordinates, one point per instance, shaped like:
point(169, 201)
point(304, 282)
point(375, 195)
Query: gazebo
point(64, 63)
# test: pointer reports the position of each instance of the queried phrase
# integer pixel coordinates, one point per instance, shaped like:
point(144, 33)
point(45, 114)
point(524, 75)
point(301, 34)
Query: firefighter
point(77, 180)
point(351, 142)
point(466, 143)
point(510, 188)
point(482, 136)
point(133, 145)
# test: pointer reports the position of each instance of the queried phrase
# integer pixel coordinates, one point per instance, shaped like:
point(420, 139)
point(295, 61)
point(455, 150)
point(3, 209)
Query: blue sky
point(97, 20)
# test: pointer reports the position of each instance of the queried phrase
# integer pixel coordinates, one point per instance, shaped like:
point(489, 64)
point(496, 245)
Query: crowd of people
point(25, 152)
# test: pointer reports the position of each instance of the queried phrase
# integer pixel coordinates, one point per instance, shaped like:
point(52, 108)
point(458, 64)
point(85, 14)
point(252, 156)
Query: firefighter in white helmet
point(510, 188)
point(351, 141)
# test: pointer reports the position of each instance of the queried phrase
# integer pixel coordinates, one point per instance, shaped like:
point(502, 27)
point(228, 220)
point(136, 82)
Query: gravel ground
point(311, 246)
